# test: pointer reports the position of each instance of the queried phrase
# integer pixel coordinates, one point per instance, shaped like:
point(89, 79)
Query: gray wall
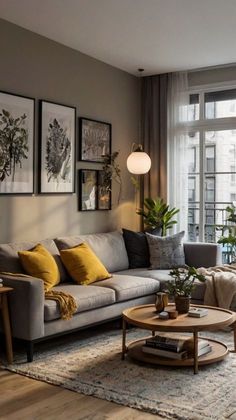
point(216, 75)
point(34, 66)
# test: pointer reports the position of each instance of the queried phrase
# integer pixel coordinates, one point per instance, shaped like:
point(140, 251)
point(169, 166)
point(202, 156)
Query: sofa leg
point(30, 351)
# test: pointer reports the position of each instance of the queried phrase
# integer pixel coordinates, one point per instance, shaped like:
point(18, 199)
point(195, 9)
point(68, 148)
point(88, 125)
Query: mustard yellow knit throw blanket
point(66, 302)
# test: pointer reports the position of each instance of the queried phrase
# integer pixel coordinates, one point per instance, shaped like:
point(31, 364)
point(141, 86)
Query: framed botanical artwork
point(87, 189)
point(104, 192)
point(57, 148)
point(16, 144)
point(95, 140)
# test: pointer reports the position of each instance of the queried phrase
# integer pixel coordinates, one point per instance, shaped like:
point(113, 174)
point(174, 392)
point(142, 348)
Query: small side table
point(6, 322)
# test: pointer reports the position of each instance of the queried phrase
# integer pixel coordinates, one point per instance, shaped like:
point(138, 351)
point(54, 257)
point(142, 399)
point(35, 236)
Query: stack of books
point(174, 346)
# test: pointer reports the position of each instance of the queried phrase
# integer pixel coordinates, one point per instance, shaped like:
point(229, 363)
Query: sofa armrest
point(26, 306)
point(201, 254)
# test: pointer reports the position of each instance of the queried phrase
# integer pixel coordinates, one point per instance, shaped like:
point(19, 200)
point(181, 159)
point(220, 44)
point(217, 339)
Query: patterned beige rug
point(93, 366)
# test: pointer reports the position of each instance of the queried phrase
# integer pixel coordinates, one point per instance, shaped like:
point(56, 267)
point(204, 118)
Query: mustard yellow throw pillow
point(83, 265)
point(38, 262)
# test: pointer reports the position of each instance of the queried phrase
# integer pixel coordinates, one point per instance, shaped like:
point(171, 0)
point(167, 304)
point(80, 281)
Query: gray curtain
point(154, 134)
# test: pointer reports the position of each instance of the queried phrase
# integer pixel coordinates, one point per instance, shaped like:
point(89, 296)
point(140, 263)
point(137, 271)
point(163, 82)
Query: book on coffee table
point(165, 353)
point(175, 355)
point(197, 312)
point(174, 342)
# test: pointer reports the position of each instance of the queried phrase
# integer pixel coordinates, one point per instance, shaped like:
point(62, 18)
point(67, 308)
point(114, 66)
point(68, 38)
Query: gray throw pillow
point(166, 251)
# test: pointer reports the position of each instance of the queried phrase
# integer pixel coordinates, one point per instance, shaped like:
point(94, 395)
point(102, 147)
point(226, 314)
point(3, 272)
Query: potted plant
point(157, 215)
point(228, 236)
point(182, 285)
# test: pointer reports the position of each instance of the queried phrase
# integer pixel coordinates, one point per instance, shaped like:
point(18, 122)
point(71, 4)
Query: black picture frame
point(87, 189)
point(103, 192)
point(95, 139)
point(17, 169)
point(57, 151)
point(93, 195)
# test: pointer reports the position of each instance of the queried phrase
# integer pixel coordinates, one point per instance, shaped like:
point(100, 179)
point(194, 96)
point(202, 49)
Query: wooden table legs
point(234, 332)
point(195, 347)
point(7, 327)
point(124, 348)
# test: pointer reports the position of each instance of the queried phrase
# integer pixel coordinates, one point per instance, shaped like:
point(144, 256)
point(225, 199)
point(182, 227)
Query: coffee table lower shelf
point(218, 353)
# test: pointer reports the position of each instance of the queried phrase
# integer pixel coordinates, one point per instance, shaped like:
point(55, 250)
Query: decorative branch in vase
point(112, 171)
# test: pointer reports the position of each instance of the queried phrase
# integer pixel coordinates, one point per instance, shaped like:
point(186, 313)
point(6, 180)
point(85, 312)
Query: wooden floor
point(24, 398)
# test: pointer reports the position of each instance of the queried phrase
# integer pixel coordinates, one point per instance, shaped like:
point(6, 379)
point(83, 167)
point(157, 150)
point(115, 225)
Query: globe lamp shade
point(138, 163)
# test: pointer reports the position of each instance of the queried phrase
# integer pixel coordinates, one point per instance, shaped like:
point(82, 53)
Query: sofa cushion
point(129, 287)
point(83, 265)
point(10, 262)
point(198, 291)
point(87, 297)
point(38, 262)
point(109, 248)
point(166, 251)
point(163, 278)
point(137, 248)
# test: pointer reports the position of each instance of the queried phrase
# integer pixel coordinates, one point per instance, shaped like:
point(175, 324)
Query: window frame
point(202, 125)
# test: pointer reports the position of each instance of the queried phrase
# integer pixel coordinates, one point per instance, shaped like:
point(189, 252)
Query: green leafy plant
point(112, 171)
point(157, 215)
point(13, 143)
point(183, 282)
point(228, 236)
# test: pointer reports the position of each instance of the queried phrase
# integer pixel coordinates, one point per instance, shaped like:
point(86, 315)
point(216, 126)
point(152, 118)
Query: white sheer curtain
point(178, 147)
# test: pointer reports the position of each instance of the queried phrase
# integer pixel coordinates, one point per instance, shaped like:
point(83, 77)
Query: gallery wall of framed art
point(17, 115)
point(56, 151)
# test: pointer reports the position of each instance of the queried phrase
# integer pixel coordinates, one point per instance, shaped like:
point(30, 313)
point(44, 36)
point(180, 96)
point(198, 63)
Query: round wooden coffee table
point(145, 317)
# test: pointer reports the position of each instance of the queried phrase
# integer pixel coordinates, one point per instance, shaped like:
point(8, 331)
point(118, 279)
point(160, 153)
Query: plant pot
point(156, 231)
point(182, 304)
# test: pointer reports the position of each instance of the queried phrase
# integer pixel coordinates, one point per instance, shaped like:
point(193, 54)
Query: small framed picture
point(95, 140)
point(16, 144)
point(57, 151)
point(104, 192)
point(87, 189)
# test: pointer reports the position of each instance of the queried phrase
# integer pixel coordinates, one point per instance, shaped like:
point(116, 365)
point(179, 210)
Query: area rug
point(92, 366)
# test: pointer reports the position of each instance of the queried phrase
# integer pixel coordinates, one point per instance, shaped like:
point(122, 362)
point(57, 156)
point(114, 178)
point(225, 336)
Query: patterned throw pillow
point(166, 251)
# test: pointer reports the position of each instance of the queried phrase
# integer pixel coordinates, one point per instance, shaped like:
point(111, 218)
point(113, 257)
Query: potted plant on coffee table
point(182, 285)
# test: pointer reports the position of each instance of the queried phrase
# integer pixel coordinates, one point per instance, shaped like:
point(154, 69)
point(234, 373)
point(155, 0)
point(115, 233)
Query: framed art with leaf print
point(57, 151)
point(16, 144)
point(95, 140)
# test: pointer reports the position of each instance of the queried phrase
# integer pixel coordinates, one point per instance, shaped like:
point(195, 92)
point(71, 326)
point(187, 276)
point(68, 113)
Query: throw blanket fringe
point(66, 302)
point(220, 285)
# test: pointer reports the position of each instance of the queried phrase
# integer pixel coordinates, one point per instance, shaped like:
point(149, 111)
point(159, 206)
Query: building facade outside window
point(209, 185)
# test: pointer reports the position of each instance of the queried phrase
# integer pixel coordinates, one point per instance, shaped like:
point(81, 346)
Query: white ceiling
point(157, 35)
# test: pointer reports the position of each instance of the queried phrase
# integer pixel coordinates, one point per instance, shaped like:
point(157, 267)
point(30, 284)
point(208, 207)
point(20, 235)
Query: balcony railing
point(215, 217)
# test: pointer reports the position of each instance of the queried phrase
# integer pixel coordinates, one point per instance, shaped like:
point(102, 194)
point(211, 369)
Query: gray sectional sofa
point(34, 319)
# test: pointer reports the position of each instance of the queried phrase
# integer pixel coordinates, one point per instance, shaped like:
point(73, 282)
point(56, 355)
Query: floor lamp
point(138, 163)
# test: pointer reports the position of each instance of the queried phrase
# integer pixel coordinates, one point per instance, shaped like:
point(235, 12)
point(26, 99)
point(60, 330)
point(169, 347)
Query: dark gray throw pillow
point(137, 248)
point(166, 251)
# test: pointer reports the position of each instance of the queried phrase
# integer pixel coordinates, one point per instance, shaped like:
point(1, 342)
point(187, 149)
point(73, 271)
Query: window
point(233, 174)
point(206, 172)
point(220, 104)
